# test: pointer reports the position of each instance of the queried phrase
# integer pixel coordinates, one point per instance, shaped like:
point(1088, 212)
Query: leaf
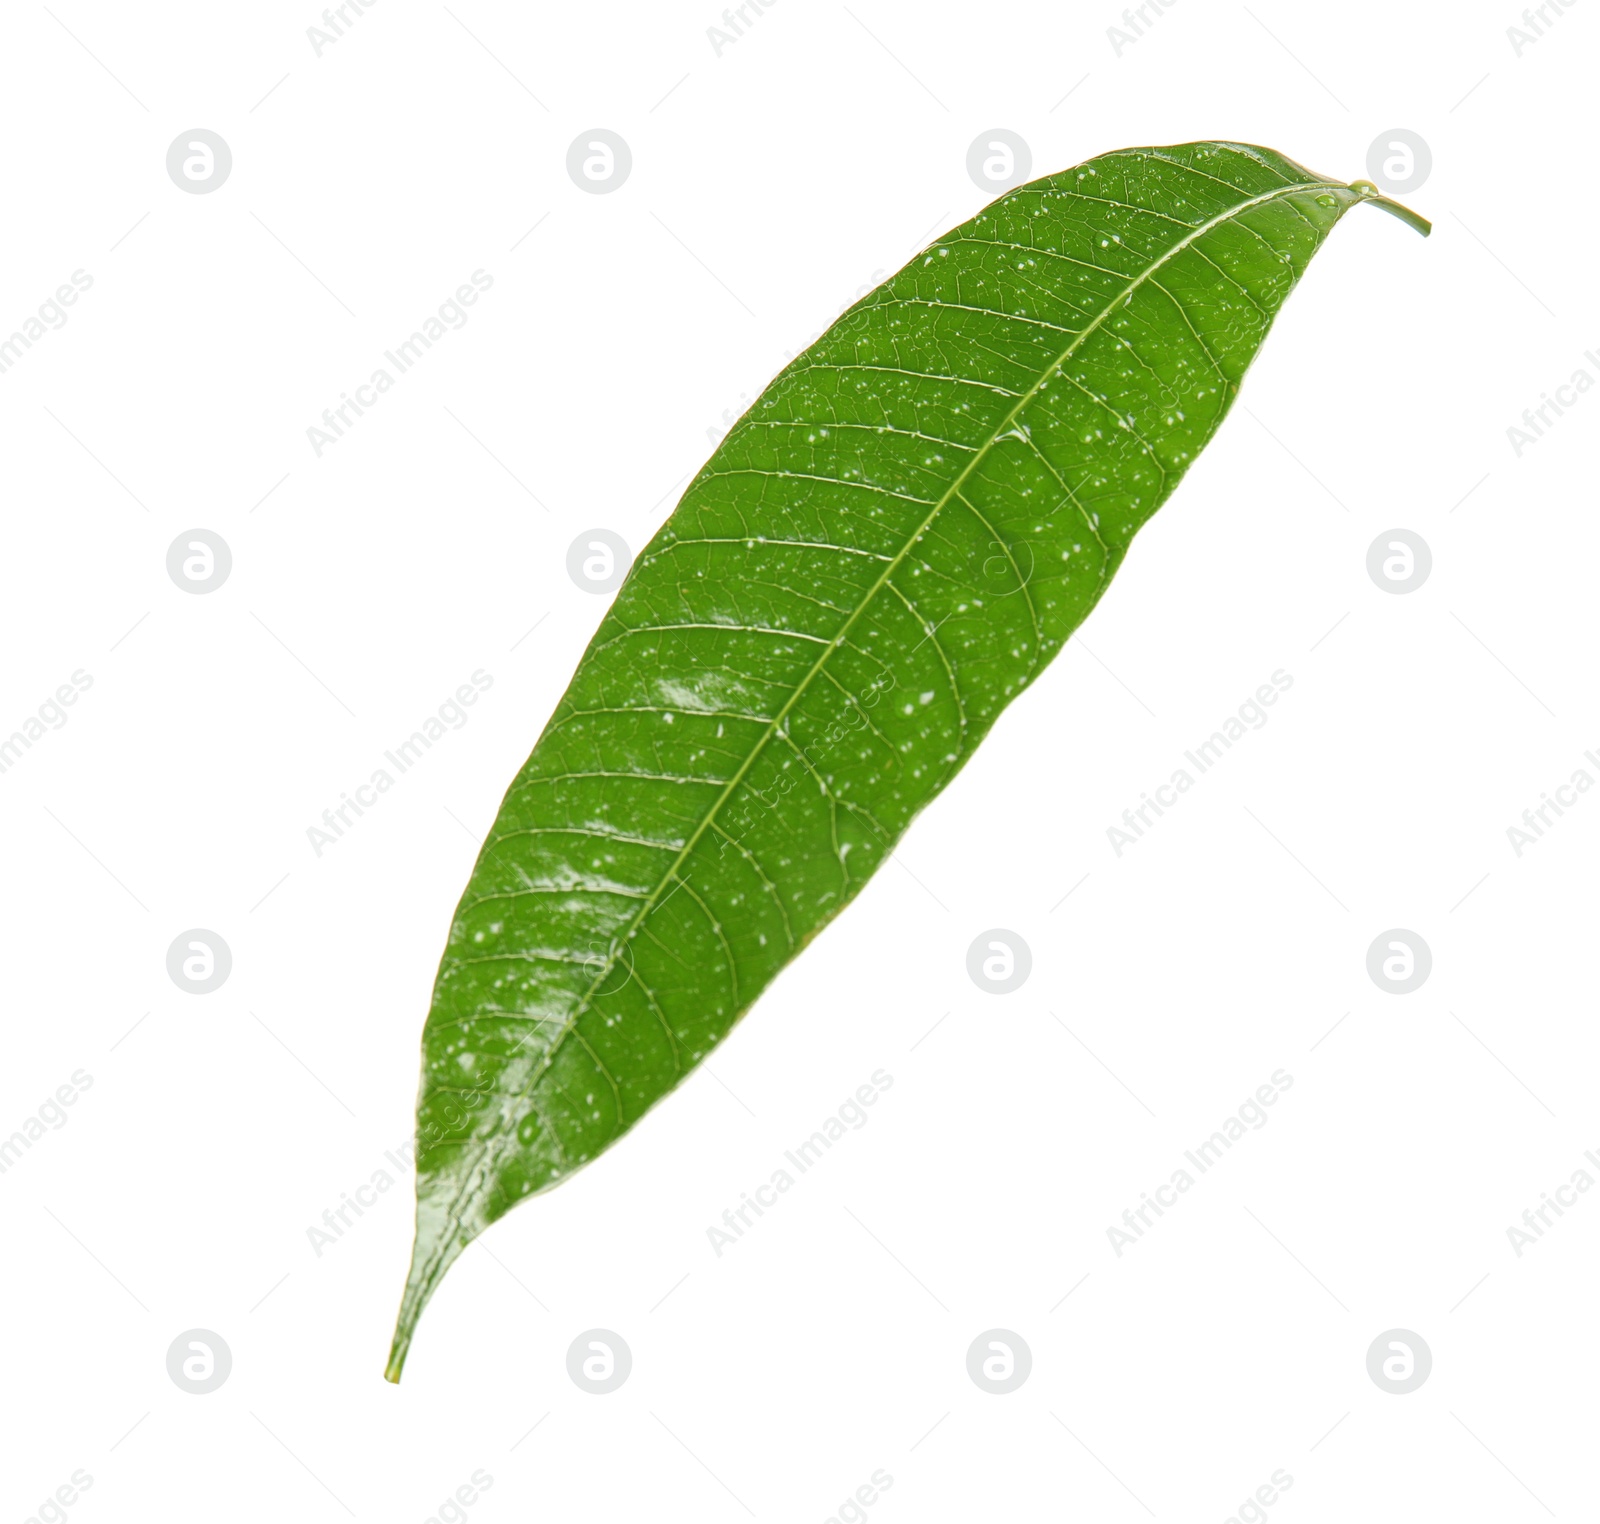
point(883, 553)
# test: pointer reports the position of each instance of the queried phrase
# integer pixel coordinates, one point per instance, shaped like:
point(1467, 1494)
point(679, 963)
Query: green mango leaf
point(882, 554)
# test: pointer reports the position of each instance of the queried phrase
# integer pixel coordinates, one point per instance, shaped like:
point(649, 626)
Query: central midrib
point(773, 726)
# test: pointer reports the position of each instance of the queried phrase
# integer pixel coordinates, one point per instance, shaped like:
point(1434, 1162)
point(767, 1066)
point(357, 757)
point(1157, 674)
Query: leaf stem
point(1367, 191)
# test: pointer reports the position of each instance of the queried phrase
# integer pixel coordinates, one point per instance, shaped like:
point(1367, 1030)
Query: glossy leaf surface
point(881, 555)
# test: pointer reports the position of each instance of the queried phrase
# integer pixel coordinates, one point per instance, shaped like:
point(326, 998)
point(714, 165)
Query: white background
point(800, 166)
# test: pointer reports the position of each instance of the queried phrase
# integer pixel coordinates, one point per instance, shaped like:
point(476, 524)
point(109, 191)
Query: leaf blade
point(880, 556)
